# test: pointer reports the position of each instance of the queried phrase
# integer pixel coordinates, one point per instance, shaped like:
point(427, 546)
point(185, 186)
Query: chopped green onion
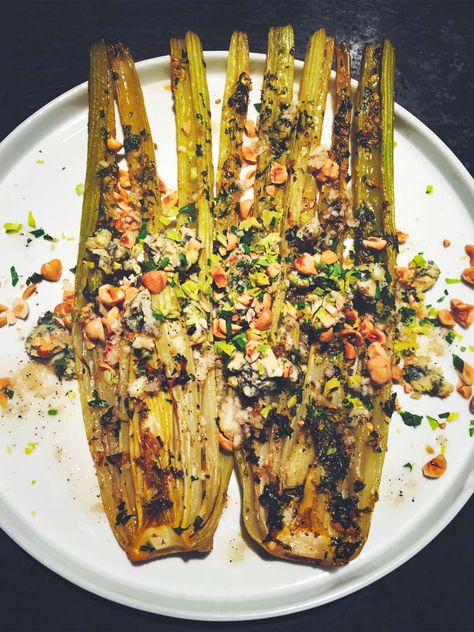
point(433, 422)
point(11, 228)
point(419, 260)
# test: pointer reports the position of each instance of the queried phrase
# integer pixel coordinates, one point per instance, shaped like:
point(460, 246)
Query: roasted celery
point(275, 124)
point(152, 434)
point(311, 458)
point(201, 328)
point(309, 123)
point(234, 112)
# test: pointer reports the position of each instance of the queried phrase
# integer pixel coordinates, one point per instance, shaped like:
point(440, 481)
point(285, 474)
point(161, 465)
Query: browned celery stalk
point(182, 491)
point(263, 460)
point(154, 445)
point(275, 125)
point(309, 121)
point(334, 208)
point(103, 416)
point(374, 205)
point(234, 112)
point(348, 401)
point(312, 470)
point(226, 203)
point(185, 131)
point(192, 99)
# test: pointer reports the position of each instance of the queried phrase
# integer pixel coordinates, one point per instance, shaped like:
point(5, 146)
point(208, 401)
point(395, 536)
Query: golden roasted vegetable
point(209, 323)
point(149, 409)
point(312, 451)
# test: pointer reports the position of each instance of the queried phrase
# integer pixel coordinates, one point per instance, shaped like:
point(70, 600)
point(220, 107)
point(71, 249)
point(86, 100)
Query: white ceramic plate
point(58, 518)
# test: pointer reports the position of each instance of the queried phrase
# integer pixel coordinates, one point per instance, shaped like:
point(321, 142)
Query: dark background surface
point(43, 47)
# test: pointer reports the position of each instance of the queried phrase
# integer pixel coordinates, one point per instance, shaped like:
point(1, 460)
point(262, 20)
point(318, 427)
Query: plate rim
point(24, 536)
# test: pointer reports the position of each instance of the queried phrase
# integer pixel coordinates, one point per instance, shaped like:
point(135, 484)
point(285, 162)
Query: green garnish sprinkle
point(14, 275)
point(411, 419)
point(11, 228)
point(433, 422)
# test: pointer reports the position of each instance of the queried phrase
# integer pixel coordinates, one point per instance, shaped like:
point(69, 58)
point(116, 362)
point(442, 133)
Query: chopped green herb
point(444, 415)
point(197, 524)
point(407, 315)
point(178, 530)
point(39, 232)
point(452, 281)
point(142, 232)
point(96, 402)
point(79, 189)
point(450, 336)
point(122, 516)
point(14, 276)
point(429, 189)
point(225, 347)
point(31, 220)
point(458, 363)
point(9, 393)
point(471, 428)
point(147, 547)
point(53, 412)
point(189, 209)
point(34, 278)
point(410, 419)
point(408, 466)
point(73, 270)
point(257, 106)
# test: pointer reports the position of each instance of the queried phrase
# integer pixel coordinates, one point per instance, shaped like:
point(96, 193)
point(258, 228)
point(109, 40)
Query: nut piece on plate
point(436, 467)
